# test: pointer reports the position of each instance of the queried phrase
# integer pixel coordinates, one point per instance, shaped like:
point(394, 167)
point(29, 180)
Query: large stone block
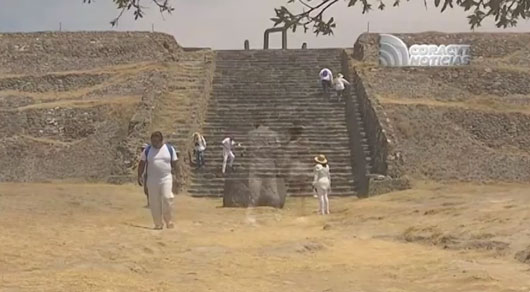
point(253, 191)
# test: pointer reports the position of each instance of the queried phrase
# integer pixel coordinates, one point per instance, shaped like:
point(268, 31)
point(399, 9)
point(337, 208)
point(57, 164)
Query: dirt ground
point(453, 237)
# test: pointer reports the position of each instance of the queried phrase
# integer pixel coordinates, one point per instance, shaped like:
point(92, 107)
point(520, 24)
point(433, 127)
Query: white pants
point(161, 201)
point(323, 188)
point(228, 157)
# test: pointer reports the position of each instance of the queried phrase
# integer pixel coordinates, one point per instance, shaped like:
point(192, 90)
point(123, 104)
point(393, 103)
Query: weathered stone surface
point(257, 188)
point(44, 52)
point(378, 187)
point(465, 123)
point(523, 256)
point(291, 160)
point(486, 48)
point(254, 192)
point(277, 87)
point(79, 105)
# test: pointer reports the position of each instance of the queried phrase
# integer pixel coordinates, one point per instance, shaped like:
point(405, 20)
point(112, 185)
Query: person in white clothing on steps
point(200, 147)
point(339, 84)
point(322, 183)
point(228, 153)
point(160, 161)
point(326, 78)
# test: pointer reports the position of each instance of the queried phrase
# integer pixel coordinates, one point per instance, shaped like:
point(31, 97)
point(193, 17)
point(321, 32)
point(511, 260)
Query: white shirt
point(159, 164)
point(202, 144)
point(328, 77)
point(340, 82)
point(228, 145)
point(322, 175)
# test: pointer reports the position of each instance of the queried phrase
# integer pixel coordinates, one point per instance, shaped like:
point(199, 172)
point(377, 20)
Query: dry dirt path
point(68, 237)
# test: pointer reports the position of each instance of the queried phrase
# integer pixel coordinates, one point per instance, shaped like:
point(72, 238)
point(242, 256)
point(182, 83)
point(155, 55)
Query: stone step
point(313, 132)
point(278, 69)
point(331, 150)
point(341, 158)
point(338, 178)
point(263, 77)
point(341, 141)
point(275, 98)
point(336, 164)
point(212, 169)
point(318, 126)
point(274, 121)
point(216, 135)
point(304, 185)
point(303, 118)
point(218, 192)
point(214, 143)
point(276, 87)
point(336, 181)
point(253, 109)
point(289, 65)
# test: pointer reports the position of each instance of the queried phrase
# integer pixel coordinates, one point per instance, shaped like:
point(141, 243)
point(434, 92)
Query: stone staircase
point(278, 88)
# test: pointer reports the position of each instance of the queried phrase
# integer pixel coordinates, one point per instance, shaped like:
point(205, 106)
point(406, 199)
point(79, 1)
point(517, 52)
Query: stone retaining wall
point(45, 52)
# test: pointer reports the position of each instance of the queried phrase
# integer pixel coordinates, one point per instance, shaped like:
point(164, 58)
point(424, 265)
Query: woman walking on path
point(322, 183)
point(200, 147)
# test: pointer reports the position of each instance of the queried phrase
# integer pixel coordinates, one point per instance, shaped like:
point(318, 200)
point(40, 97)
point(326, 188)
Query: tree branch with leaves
point(506, 13)
point(137, 8)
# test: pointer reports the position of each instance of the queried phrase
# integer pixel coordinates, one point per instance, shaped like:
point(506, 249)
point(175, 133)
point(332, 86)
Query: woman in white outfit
point(340, 84)
point(322, 183)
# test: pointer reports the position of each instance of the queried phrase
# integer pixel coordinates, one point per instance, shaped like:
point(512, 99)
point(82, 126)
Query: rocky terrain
point(79, 105)
point(464, 123)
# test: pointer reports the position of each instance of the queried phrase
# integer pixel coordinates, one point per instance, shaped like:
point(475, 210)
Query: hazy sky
point(225, 24)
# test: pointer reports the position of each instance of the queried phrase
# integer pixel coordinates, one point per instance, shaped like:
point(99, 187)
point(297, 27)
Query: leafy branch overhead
point(505, 13)
point(136, 7)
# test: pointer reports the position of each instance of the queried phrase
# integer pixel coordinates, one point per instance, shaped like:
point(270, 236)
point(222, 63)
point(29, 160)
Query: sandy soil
point(67, 237)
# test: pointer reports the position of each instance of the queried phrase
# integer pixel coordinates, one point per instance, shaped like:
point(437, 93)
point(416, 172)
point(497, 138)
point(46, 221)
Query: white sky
point(226, 24)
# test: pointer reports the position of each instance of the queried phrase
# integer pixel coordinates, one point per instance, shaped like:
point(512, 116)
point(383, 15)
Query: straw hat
point(321, 159)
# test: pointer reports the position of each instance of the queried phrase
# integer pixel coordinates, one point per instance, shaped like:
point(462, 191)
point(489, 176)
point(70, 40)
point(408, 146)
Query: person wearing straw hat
point(339, 84)
point(200, 147)
point(322, 183)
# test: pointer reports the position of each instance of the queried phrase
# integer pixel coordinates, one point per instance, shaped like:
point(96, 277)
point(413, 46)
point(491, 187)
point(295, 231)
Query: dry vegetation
point(435, 237)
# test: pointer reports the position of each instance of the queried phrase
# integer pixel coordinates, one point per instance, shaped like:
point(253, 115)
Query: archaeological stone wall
point(411, 111)
point(78, 106)
point(46, 52)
